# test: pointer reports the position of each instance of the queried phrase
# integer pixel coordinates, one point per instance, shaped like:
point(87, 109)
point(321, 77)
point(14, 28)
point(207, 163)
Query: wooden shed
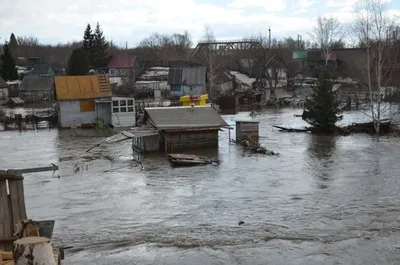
point(183, 128)
point(247, 130)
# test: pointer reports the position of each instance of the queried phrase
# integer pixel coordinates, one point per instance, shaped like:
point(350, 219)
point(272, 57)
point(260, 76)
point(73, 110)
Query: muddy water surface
point(324, 200)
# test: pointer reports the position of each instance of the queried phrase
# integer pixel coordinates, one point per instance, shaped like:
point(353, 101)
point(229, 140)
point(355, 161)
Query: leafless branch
point(374, 28)
point(326, 33)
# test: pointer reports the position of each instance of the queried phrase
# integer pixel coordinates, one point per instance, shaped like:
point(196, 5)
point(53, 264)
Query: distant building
point(83, 100)
point(4, 89)
point(14, 88)
point(187, 81)
point(156, 90)
point(123, 66)
point(180, 128)
point(29, 61)
point(36, 88)
point(44, 69)
point(222, 84)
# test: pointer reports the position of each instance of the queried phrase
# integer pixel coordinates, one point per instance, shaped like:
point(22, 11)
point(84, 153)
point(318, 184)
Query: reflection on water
point(324, 200)
point(322, 149)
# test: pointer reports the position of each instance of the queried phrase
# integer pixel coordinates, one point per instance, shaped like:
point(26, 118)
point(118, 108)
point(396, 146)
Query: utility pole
point(269, 43)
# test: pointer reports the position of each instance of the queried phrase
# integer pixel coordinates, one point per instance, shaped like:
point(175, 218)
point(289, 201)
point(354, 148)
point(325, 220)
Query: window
point(87, 105)
point(122, 72)
point(122, 102)
point(112, 72)
point(130, 109)
point(115, 110)
point(123, 109)
point(130, 102)
point(115, 103)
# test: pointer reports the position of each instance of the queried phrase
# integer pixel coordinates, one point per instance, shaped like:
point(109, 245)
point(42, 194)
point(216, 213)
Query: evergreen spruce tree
point(88, 38)
point(100, 48)
point(8, 70)
point(13, 45)
point(323, 106)
point(78, 62)
point(88, 43)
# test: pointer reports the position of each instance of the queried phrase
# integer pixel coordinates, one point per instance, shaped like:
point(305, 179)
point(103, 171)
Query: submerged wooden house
point(180, 128)
point(83, 100)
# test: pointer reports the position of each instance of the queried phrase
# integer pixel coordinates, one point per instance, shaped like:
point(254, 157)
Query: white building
point(123, 112)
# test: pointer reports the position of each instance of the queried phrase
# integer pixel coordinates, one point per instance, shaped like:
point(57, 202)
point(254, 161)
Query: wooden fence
point(12, 205)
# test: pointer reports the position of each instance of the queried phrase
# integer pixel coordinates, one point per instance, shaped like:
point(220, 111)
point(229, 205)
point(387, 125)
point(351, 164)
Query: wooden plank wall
point(12, 205)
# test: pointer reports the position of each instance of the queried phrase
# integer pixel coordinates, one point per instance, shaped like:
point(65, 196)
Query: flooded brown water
point(323, 200)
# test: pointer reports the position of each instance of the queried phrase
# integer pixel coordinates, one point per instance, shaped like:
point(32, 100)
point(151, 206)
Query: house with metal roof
point(36, 88)
point(83, 101)
point(43, 69)
point(4, 89)
point(123, 66)
point(187, 81)
point(183, 127)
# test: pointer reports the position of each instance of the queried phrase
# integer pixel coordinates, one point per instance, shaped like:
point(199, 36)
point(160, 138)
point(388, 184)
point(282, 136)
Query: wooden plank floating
point(35, 169)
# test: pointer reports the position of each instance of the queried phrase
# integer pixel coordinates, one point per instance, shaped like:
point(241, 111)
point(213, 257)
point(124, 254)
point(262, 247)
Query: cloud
point(304, 5)
point(269, 6)
point(341, 3)
point(132, 20)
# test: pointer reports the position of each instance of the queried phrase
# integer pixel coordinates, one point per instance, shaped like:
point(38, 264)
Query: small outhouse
point(247, 129)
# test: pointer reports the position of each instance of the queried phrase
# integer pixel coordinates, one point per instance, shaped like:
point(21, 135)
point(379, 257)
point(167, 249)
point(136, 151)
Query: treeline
point(155, 47)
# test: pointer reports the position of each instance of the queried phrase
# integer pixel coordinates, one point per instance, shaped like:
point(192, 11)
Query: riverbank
point(323, 200)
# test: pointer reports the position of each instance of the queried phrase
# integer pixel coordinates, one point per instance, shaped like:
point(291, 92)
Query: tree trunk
point(33, 250)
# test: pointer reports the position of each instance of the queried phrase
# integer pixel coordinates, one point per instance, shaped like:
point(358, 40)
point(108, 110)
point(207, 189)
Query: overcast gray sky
point(53, 21)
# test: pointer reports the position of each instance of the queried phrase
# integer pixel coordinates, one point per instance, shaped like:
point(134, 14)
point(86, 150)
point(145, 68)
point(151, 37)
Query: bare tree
point(374, 28)
point(326, 33)
point(208, 34)
point(210, 57)
point(165, 47)
point(180, 43)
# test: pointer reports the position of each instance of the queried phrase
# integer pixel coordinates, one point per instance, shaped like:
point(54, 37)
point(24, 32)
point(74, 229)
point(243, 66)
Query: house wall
point(185, 140)
point(71, 116)
point(184, 90)
point(248, 130)
point(223, 88)
point(4, 93)
point(123, 112)
point(135, 71)
point(14, 88)
point(146, 143)
point(228, 104)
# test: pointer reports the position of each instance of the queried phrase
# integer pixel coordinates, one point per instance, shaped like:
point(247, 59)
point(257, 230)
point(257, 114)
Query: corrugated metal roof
point(187, 76)
point(36, 83)
point(164, 118)
point(82, 87)
point(3, 84)
point(40, 69)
